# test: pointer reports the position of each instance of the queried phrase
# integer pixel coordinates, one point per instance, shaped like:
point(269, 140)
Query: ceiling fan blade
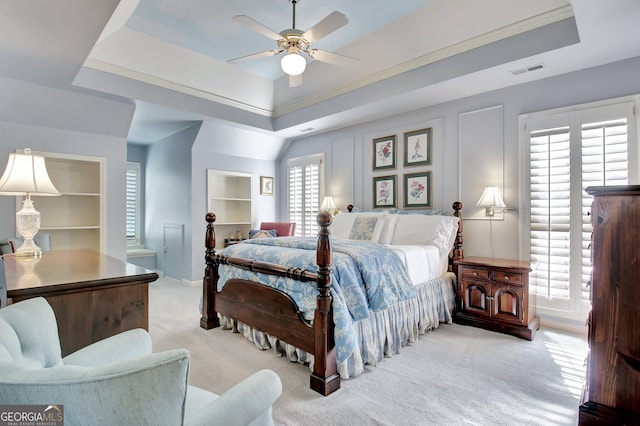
point(295, 80)
point(334, 59)
point(257, 26)
point(253, 56)
point(332, 22)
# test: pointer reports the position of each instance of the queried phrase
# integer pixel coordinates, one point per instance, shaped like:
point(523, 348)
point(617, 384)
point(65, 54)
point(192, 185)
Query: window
point(305, 179)
point(570, 150)
point(133, 205)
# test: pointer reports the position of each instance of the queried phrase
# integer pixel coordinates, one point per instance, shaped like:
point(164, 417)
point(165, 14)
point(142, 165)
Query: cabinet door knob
point(506, 277)
point(475, 274)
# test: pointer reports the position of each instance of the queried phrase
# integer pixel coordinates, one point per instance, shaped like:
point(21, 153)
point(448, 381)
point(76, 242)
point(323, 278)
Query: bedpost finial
point(457, 206)
point(210, 217)
point(324, 219)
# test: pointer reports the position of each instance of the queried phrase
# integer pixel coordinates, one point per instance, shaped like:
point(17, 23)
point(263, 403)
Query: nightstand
point(494, 294)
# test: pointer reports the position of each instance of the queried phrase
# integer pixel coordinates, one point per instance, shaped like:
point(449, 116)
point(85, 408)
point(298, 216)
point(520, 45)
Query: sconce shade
point(26, 174)
point(293, 64)
point(491, 198)
point(329, 205)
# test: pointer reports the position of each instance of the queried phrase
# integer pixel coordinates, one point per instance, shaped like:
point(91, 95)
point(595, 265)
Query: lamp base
point(28, 249)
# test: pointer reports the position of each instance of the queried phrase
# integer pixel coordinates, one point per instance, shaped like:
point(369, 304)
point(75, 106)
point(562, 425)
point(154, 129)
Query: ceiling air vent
point(527, 69)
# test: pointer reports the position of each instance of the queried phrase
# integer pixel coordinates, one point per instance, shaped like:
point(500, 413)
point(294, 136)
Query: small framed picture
point(417, 147)
point(384, 192)
point(417, 190)
point(384, 153)
point(266, 185)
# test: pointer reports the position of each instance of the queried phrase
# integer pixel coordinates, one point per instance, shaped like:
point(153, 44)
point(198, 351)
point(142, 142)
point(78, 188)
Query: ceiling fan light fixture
point(293, 63)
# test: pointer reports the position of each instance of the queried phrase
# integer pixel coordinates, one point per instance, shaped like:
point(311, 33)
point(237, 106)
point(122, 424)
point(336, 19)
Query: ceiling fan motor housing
point(293, 37)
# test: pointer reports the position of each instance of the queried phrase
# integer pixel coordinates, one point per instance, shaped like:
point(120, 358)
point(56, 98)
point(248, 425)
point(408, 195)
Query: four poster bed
point(381, 280)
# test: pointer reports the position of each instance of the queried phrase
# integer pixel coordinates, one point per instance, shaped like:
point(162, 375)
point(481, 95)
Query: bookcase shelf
point(230, 198)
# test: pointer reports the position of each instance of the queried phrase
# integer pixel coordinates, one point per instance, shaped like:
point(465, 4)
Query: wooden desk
point(93, 295)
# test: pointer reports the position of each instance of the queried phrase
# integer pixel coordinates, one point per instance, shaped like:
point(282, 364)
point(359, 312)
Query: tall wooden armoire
point(612, 389)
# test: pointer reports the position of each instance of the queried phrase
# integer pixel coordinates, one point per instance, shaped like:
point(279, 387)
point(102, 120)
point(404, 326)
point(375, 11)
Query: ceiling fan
point(295, 42)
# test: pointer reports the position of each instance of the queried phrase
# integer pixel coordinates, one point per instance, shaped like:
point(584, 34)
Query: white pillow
point(387, 231)
point(343, 222)
point(341, 225)
point(439, 231)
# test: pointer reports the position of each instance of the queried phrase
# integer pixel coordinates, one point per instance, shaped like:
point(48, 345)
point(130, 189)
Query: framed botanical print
point(417, 190)
point(417, 147)
point(266, 185)
point(384, 153)
point(384, 192)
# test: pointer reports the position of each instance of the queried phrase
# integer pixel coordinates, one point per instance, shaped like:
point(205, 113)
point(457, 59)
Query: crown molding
point(172, 85)
point(516, 28)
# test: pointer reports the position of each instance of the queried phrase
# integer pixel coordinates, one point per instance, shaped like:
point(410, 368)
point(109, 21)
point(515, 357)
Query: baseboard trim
point(188, 283)
point(578, 327)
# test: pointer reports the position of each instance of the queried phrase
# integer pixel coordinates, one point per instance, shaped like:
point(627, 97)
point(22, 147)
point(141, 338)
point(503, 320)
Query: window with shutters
point(305, 175)
point(569, 150)
point(133, 205)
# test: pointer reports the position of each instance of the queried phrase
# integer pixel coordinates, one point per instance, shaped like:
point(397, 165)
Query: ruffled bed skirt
point(381, 335)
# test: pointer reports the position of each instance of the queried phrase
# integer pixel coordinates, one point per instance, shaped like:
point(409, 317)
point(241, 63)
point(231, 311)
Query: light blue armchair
point(117, 381)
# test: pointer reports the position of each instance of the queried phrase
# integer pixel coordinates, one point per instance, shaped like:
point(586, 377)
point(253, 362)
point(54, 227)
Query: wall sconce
point(27, 175)
point(329, 205)
point(492, 201)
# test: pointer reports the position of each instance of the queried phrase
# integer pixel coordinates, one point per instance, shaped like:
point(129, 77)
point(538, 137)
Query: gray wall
point(451, 165)
point(219, 146)
point(52, 120)
point(79, 123)
point(168, 193)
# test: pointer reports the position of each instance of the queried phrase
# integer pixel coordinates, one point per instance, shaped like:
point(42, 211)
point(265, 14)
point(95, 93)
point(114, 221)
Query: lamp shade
point(293, 63)
point(329, 205)
point(491, 198)
point(26, 174)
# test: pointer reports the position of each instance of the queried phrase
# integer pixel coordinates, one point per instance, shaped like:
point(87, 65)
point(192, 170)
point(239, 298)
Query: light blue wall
point(168, 193)
point(605, 82)
point(52, 120)
point(78, 123)
point(223, 147)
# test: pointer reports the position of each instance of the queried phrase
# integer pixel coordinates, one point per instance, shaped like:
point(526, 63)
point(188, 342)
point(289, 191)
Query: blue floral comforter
point(366, 278)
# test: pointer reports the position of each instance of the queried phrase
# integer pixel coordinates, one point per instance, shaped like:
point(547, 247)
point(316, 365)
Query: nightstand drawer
point(506, 277)
point(476, 273)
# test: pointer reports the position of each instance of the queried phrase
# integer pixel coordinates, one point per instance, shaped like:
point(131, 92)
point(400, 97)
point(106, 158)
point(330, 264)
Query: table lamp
point(26, 175)
point(329, 205)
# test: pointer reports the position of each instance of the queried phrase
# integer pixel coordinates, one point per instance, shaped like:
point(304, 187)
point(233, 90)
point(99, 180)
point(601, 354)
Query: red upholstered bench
point(285, 229)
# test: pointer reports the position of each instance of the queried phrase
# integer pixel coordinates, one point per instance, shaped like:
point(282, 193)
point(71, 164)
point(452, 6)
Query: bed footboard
point(272, 311)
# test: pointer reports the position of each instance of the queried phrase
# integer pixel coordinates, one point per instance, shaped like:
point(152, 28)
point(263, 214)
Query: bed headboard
point(457, 251)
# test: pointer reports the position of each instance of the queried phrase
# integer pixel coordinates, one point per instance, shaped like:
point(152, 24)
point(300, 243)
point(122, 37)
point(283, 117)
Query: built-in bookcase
point(229, 197)
point(76, 218)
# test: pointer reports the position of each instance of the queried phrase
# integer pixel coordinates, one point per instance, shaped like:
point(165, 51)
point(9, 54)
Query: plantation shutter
point(604, 162)
point(305, 176)
point(570, 150)
point(132, 204)
point(550, 218)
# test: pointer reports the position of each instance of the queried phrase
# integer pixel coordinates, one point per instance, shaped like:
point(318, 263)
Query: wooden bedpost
point(325, 378)
point(209, 317)
point(457, 244)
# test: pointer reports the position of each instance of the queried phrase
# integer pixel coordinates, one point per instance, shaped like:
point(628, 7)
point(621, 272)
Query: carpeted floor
point(454, 375)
